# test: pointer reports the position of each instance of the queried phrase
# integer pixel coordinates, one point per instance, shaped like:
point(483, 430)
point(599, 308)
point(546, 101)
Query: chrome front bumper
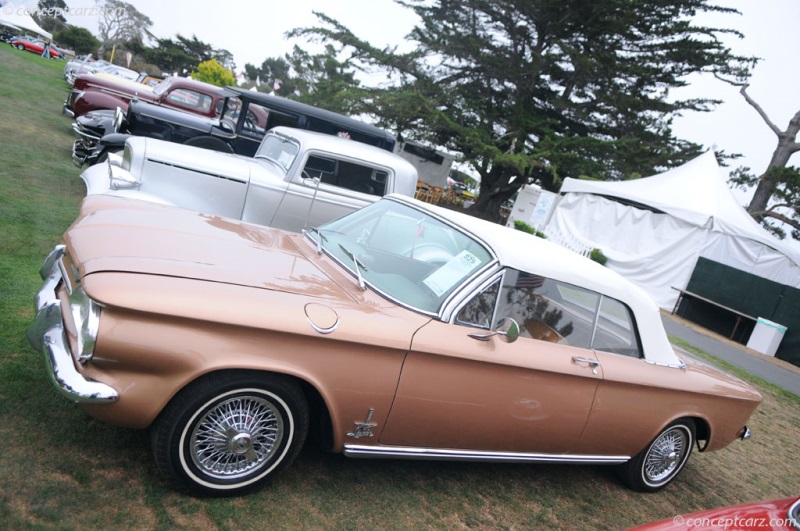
point(81, 153)
point(47, 335)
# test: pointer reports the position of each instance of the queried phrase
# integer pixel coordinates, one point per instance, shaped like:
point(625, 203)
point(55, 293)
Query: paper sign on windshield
point(444, 278)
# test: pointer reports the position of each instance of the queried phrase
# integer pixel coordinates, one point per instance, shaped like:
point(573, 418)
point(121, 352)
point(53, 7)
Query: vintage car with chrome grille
point(297, 178)
point(402, 330)
point(245, 118)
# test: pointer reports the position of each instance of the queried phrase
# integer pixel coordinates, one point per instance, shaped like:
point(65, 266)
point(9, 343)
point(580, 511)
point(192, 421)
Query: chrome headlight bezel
point(86, 316)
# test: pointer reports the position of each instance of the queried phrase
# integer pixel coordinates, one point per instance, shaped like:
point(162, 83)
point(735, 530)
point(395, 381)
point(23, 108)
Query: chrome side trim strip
point(443, 454)
point(197, 170)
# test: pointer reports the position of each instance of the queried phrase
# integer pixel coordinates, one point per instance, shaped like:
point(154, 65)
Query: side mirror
point(507, 330)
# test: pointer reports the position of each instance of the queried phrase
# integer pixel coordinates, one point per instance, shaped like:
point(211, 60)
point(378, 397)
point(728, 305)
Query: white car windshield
point(280, 149)
point(403, 253)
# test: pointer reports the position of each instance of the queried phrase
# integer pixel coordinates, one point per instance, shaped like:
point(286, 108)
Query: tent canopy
point(20, 18)
point(653, 230)
point(695, 193)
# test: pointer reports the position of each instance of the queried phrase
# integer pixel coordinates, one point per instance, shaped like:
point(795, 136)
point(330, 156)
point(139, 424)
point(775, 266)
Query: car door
point(532, 395)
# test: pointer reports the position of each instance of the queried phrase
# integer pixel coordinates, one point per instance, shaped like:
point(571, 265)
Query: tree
point(777, 194)
point(78, 39)
point(319, 80)
point(120, 22)
point(534, 90)
point(212, 72)
point(181, 55)
point(50, 15)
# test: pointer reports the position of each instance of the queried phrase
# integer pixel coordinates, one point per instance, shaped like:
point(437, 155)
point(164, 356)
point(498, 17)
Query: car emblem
point(364, 429)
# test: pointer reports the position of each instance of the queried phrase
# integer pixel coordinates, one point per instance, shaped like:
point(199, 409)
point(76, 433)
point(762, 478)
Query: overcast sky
point(254, 30)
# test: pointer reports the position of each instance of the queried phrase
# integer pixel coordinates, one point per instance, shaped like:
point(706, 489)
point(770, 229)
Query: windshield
point(403, 253)
point(280, 149)
point(161, 87)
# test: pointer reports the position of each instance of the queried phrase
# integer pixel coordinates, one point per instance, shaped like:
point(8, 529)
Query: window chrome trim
point(681, 365)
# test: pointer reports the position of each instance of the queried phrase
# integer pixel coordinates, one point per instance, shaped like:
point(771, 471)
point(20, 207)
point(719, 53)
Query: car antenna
point(318, 180)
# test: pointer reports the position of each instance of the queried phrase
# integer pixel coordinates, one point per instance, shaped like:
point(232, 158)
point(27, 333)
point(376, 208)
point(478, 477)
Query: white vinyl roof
point(525, 252)
point(695, 193)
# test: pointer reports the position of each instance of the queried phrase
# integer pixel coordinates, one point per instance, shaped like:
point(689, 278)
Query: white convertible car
point(292, 171)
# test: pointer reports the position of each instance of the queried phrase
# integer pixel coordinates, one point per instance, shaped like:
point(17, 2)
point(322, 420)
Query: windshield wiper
point(356, 262)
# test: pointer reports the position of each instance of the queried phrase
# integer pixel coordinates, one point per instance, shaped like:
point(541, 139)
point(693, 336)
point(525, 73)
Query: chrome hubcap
point(236, 437)
point(665, 454)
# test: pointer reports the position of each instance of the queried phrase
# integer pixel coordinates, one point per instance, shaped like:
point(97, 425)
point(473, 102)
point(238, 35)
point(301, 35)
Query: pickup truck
point(292, 171)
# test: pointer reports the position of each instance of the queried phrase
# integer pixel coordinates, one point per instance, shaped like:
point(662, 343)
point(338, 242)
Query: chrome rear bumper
point(745, 433)
point(46, 334)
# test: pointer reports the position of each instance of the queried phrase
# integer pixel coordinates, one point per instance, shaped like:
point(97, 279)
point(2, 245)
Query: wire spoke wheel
point(662, 460)
point(236, 436)
point(229, 432)
point(666, 454)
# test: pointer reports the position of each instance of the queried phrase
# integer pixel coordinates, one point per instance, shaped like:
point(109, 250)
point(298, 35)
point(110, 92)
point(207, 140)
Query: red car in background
point(35, 46)
point(772, 515)
point(92, 93)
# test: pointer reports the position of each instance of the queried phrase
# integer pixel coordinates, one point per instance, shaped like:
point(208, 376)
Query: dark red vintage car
point(91, 93)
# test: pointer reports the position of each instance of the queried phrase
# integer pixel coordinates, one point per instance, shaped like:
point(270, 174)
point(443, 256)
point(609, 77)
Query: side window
point(616, 330)
point(478, 311)
point(190, 98)
point(348, 175)
point(548, 310)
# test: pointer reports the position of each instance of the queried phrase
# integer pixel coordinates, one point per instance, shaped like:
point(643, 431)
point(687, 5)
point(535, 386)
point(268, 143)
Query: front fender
point(92, 100)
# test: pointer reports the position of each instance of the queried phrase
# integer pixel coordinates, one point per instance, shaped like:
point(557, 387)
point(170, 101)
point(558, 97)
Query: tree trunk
point(787, 146)
point(780, 157)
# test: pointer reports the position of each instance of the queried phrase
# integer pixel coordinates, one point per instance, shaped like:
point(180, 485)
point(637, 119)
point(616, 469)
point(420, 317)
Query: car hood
point(144, 107)
point(115, 234)
point(120, 86)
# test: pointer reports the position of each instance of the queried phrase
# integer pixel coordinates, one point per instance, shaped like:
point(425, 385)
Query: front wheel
point(657, 465)
point(228, 432)
point(20, 47)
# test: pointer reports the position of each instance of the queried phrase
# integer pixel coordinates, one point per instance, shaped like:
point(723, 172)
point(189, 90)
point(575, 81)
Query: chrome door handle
point(592, 363)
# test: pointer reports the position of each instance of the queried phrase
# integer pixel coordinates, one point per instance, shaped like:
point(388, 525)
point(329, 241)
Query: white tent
point(19, 17)
point(654, 229)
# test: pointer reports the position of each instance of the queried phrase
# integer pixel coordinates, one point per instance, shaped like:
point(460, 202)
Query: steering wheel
point(430, 252)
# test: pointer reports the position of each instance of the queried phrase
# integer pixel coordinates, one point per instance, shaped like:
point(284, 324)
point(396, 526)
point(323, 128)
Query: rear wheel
point(657, 465)
point(20, 47)
point(228, 432)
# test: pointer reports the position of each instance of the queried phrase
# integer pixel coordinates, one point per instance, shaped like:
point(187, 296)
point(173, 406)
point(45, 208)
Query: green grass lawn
point(61, 469)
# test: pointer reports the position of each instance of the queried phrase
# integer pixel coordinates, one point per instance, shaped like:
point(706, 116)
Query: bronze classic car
point(401, 330)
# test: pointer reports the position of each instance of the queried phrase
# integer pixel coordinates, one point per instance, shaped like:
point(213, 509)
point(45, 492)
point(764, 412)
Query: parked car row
point(271, 278)
point(242, 119)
